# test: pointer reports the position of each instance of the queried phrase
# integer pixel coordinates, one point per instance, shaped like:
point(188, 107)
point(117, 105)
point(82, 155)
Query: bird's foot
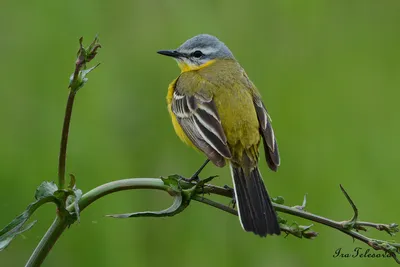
point(195, 179)
point(233, 200)
point(192, 179)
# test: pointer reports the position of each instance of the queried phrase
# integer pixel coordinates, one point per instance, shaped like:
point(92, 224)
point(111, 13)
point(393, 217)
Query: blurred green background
point(329, 75)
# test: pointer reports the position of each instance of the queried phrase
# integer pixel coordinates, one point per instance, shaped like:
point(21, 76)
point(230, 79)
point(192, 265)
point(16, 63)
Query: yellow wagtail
point(216, 109)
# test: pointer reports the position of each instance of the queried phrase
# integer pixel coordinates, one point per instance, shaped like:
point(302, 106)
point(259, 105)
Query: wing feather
point(198, 117)
point(267, 132)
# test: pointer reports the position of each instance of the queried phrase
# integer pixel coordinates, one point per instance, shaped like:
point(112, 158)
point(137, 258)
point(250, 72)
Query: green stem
point(116, 186)
point(64, 140)
point(47, 242)
point(215, 204)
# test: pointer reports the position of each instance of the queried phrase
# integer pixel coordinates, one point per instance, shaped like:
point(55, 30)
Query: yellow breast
point(171, 88)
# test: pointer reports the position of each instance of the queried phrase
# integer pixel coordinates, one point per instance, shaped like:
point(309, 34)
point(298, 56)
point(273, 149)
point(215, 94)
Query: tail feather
point(255, 209)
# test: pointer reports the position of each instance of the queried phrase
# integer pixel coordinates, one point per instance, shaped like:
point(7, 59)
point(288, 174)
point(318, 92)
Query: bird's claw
point(192, 179)
point(233, 200)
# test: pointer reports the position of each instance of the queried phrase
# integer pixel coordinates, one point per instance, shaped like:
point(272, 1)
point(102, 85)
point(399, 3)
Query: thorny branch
point(350, 227)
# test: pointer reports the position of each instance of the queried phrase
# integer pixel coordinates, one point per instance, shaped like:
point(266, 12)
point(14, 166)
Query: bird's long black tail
point(255, 209)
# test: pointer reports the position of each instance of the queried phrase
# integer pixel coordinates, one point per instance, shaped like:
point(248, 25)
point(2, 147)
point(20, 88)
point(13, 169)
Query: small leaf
point(206, 180)
point(92, 49)
point(8, 233)
point(78, 78)
point(81, 79)
point(305, 227)
point(173, 182)
point(304, 201)
point(303, 205)
point(310, 234)
point(176, 207)
point(46, 192)
point(16, 227)
point(72, 181)
point(278, 200)
point(391, 229)
point(181, 200)
point(12, 230)
point(281, 220)
point(45, 189)
point(77, 197)
point(85, 72)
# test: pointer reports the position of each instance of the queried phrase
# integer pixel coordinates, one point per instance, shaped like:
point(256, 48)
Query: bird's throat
point(185, 66)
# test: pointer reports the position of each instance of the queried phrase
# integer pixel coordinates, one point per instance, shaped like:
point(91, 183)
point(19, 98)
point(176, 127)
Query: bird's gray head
point(198, 51)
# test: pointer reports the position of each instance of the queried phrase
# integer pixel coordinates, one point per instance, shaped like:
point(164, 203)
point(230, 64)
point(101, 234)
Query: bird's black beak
point(170, 53)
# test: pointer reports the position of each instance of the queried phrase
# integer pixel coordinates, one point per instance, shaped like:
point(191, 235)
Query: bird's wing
point(197, 115)
point(269, 140)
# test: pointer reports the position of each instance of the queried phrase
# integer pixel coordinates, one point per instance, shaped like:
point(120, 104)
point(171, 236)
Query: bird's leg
point(233, 200)
point(195, 176)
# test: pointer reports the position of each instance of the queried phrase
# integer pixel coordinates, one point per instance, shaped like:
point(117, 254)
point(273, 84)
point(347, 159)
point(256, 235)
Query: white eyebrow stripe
point(208, 50)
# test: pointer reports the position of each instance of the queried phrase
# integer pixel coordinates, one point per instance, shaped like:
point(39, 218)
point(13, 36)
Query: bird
point(216, 109)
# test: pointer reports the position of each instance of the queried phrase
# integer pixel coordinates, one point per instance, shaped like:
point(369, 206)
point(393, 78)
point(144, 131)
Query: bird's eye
point(197, 53)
